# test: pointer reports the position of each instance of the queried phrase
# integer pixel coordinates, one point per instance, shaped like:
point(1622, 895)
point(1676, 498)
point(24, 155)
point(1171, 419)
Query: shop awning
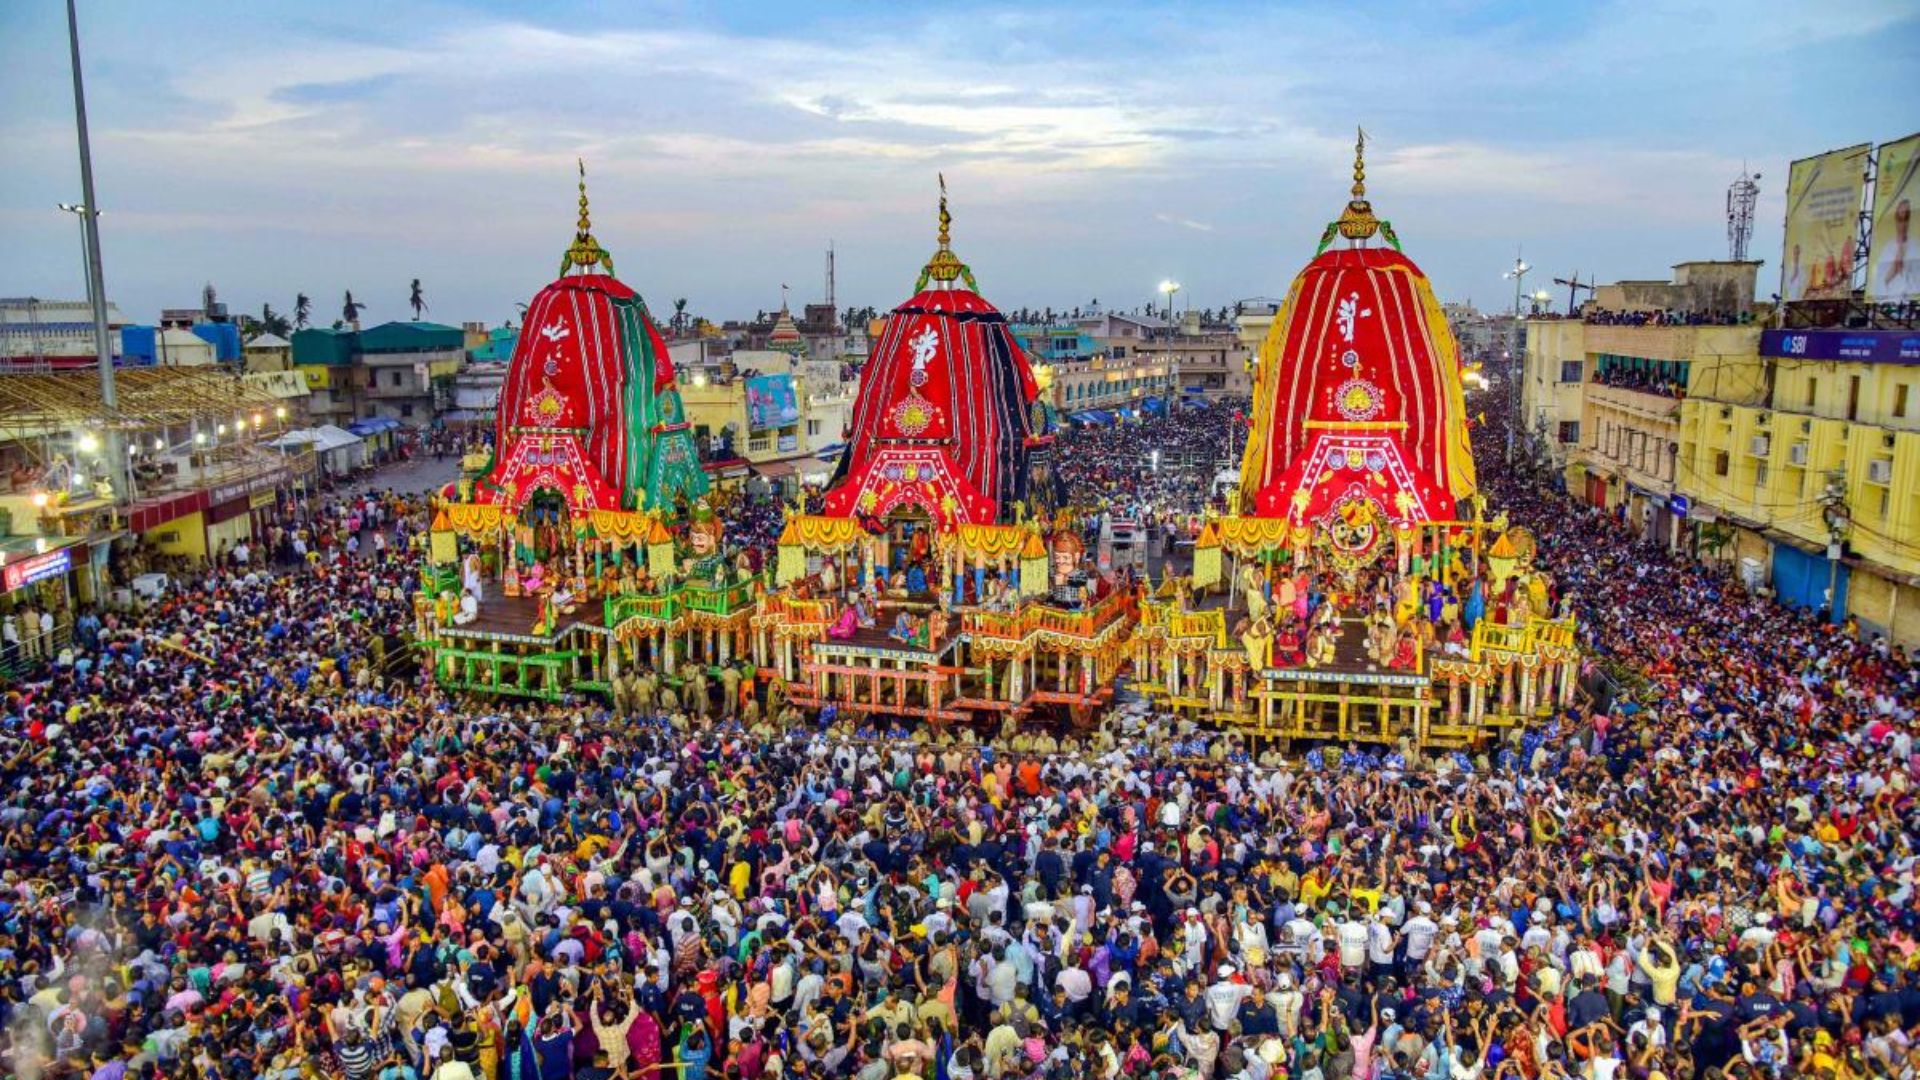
point(830, 453)
point(776, 470)
point(323, 438)
point(1094, 416)
point(726, 468)
point(373, 425)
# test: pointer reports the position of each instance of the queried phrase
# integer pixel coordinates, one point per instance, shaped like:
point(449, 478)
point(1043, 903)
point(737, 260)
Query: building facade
point(398, 371)
point(1111, 384)
point(1807, 477)
point(37, 333)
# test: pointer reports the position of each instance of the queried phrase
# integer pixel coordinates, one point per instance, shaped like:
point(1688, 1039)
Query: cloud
point(1185, 223)
point(725, 152)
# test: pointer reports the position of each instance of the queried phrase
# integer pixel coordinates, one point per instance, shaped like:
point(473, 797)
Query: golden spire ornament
point(945, 267)
point(1357, 221)
point(585, 251)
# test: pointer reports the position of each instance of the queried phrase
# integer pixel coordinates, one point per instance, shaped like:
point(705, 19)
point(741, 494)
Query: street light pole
point(1516, 352)
point(96, 286)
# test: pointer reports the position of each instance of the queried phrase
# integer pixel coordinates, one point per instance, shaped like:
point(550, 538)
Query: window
point(1119, 352)
point(1569, 431)
point(1720, 463)
point(1570, 370)
point(1853, 397)
point(1813, 389)
point(813, 428)
point(393, 378)
point(406, 408)
point(1900, 400)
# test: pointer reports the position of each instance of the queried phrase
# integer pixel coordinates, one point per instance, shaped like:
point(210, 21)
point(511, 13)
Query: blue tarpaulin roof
point(373, 425)
point(1094, 416)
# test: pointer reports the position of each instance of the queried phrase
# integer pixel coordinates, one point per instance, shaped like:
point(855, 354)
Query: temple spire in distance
point(586, 251)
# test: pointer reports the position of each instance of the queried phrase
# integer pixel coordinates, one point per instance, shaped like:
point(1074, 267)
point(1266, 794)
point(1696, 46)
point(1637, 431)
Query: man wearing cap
point(1224, 998)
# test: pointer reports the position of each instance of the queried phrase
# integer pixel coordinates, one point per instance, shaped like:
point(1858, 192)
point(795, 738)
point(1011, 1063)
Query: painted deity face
point(705, 539)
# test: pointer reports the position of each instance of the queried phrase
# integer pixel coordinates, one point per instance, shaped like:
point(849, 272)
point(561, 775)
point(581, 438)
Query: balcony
point(1658, 408)
point(1652, 342)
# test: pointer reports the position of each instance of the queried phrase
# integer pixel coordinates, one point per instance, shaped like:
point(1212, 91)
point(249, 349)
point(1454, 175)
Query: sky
point(274, 147)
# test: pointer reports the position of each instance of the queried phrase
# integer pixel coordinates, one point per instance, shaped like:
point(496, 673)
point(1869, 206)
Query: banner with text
point(1893, 266)
point(1823, 213)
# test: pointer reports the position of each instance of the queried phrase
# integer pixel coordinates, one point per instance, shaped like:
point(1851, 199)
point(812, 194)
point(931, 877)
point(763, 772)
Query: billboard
point(1856, 346)
point(770, 402)
point(1893, 266)
point(1823, 212)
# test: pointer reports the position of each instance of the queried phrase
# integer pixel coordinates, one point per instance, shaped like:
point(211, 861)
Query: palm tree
point(350, 311)
point(302, 308)
point(418, 301)
point(679, 315)
point(272, 322)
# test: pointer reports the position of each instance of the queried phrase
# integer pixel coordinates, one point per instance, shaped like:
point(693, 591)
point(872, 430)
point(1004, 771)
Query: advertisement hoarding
point(770, 402)
point(1869, 346)
point(1893, 266)
point(1823, 213)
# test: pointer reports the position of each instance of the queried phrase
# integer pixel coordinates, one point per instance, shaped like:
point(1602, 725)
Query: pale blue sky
point(277, 146)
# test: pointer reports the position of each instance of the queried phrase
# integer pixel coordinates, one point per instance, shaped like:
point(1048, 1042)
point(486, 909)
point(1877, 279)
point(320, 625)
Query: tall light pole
point(1169, 286)
point(1517, 353)
point(79, 212)
point(89, 211)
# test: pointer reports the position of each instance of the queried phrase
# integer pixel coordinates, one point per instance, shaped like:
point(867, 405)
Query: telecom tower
point(1742, 195)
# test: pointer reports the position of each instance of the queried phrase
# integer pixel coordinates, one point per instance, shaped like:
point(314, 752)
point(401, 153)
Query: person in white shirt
point(1075, 981)
point(1380, 945)
point(1303, 939)
point(1224, 998)
point(1418, 935)
point(1352, 937)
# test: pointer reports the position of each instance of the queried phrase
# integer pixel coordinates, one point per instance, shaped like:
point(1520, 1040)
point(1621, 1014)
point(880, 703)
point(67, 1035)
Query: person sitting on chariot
point(903, 628)
point(1287, 646)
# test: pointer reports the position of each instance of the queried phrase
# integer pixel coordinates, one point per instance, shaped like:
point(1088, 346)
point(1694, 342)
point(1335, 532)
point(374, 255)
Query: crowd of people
point(235, 842)
point(1159, 466)
point(1647, 382)
point(1664, 317)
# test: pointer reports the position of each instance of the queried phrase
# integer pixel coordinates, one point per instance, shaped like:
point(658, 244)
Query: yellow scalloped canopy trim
point(474, 519)
point(827, 534)
point(1209, 536)
point(622, 526)
point(991, 541)
point(1250, 536)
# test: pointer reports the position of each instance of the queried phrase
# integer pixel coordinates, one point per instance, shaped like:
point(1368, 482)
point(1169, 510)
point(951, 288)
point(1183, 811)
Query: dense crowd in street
point(1154, 466)
point(231, 846)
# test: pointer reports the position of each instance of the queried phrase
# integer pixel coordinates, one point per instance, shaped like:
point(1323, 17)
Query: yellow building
point(776, 424)
point(1823, 446)
point(1601, 397)
point(1111, 385)
point(1553, 388)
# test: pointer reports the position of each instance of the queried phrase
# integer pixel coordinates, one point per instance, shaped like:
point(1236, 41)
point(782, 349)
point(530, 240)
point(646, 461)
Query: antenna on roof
point(1742, 196)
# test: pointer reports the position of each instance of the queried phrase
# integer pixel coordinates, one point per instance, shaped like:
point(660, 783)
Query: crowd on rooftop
point(1665, 317)
point(236, 842)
